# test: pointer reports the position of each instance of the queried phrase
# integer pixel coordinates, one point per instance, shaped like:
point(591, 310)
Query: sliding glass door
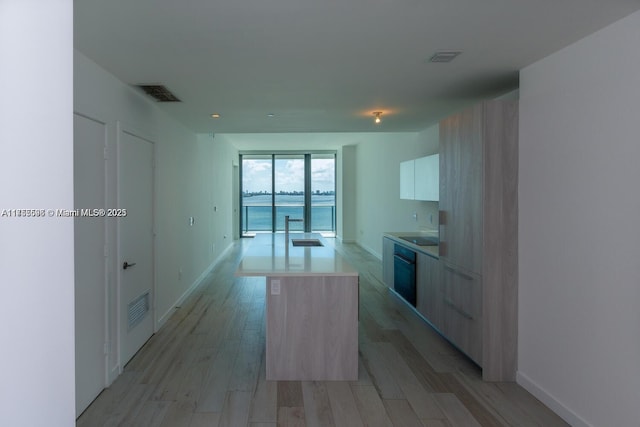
point(257, 194)
point(300, 185)
point(289, 179)
point(323, 192)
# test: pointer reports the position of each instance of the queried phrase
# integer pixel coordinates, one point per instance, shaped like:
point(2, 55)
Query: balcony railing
point(257, 218)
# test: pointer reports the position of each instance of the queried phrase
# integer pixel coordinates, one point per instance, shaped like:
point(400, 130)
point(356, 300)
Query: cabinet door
point(407, 180)
point(387, 261)
point(427, 178)
point(462, 310)
point(429, 297)
point(461, 189)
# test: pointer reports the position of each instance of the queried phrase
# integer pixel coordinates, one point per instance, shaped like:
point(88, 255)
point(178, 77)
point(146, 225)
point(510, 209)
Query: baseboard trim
point(113, 374)
point(551, 401)
point(370, 250)
point(162, 320)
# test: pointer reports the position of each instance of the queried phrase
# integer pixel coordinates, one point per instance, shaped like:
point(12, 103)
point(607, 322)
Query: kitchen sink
point(306, 242)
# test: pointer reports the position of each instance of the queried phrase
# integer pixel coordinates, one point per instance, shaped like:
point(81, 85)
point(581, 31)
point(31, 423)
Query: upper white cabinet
point(407, 185)
point(427, 178)
point(419, 178)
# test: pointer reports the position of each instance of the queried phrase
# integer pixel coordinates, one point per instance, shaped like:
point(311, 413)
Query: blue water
point(256, 212)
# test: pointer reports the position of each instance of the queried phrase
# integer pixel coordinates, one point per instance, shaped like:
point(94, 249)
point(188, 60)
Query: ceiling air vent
point(159, 92)
point(444, 56)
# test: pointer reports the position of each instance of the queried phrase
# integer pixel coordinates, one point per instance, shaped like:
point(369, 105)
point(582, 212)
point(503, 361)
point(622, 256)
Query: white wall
point(192, 175)
point(36, 254)
point(346, 202)
point(579, 292)
point(378, 204)
point(223, 203)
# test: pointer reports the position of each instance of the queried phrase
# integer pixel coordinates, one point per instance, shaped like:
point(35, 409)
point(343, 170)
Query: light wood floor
point(206, 367)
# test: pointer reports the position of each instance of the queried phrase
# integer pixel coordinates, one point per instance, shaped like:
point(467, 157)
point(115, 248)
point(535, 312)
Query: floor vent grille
point(137, 309)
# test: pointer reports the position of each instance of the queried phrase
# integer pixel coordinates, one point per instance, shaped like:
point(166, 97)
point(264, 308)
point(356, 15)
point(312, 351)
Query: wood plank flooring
point(206, 367)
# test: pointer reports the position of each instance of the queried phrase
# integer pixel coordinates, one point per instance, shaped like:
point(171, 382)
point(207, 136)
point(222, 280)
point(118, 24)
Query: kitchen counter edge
point(431, 251)
point(260, 251)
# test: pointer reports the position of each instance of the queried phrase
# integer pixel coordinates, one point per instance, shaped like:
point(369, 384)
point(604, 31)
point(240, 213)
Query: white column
point(36, 254)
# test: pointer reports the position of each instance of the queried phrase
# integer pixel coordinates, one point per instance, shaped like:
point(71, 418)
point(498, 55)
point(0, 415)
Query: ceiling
point(326, 66)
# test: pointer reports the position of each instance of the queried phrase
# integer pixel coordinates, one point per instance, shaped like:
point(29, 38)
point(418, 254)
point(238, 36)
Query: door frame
point(122, 128)
point(107, 312)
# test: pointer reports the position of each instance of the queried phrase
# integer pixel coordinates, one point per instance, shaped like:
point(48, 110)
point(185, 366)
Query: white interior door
point(135, 243)
point(89, 256)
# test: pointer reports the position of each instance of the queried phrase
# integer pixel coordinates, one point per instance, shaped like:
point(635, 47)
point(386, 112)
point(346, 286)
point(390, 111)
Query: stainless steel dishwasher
point(404, 273)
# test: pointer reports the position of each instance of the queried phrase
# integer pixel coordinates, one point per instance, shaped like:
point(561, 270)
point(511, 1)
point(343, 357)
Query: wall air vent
point(137, 309)
point(444, 56)
point(159, 92)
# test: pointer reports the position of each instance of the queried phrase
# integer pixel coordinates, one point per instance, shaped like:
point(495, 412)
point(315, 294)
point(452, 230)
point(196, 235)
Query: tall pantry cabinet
point(478, 234)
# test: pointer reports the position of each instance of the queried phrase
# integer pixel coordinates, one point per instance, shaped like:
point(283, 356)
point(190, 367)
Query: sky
point(289, 176)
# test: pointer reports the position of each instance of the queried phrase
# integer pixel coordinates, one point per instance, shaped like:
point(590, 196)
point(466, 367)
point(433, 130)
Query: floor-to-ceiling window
point(289, 186)
point(323, 193)
point(257, 193)
point(299, 185)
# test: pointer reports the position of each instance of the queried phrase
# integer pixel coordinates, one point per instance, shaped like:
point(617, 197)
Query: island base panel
point(312, 328)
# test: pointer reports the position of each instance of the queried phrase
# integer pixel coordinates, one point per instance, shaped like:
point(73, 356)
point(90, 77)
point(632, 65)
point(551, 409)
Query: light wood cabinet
point(461, 189)
point(311, 328)
point(429, 300)
point(462, 309)
point(478, 234)
point(387, 261)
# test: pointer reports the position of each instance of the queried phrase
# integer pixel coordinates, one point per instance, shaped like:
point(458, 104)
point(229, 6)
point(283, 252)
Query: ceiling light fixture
point(377, 114)
point(215, 115)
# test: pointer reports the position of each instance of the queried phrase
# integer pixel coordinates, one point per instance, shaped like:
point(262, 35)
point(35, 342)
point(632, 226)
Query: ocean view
point(256, 212)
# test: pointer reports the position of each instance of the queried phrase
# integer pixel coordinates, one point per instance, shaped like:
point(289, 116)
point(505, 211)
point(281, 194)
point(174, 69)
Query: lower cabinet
point(387, 261)
point(429, 301)
point(462, 310)
point(451, 299)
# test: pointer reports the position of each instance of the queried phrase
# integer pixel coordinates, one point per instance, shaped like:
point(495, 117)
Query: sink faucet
point(287, 220)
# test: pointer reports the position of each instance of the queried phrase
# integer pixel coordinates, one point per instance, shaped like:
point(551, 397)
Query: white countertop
point(270, 255)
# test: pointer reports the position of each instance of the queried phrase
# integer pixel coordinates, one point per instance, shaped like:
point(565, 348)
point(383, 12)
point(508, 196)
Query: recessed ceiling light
point(215, 115)
point(445, 56)
point(271, 115)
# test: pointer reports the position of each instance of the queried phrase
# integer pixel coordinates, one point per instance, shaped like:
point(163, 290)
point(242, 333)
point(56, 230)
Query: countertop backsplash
point(427, 220)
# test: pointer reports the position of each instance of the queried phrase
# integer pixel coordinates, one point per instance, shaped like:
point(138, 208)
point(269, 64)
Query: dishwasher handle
point(403, 259)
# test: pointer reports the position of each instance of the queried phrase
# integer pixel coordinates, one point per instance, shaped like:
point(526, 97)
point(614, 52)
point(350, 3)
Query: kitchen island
point(312, 307)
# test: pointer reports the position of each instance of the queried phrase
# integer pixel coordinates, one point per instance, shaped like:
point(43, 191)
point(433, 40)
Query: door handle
point(127, 265)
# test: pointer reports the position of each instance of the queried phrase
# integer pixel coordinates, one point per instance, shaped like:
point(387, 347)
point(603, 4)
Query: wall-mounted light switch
point(192, 221)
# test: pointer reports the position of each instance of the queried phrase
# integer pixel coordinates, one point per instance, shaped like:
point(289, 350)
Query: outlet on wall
point(275, 287)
